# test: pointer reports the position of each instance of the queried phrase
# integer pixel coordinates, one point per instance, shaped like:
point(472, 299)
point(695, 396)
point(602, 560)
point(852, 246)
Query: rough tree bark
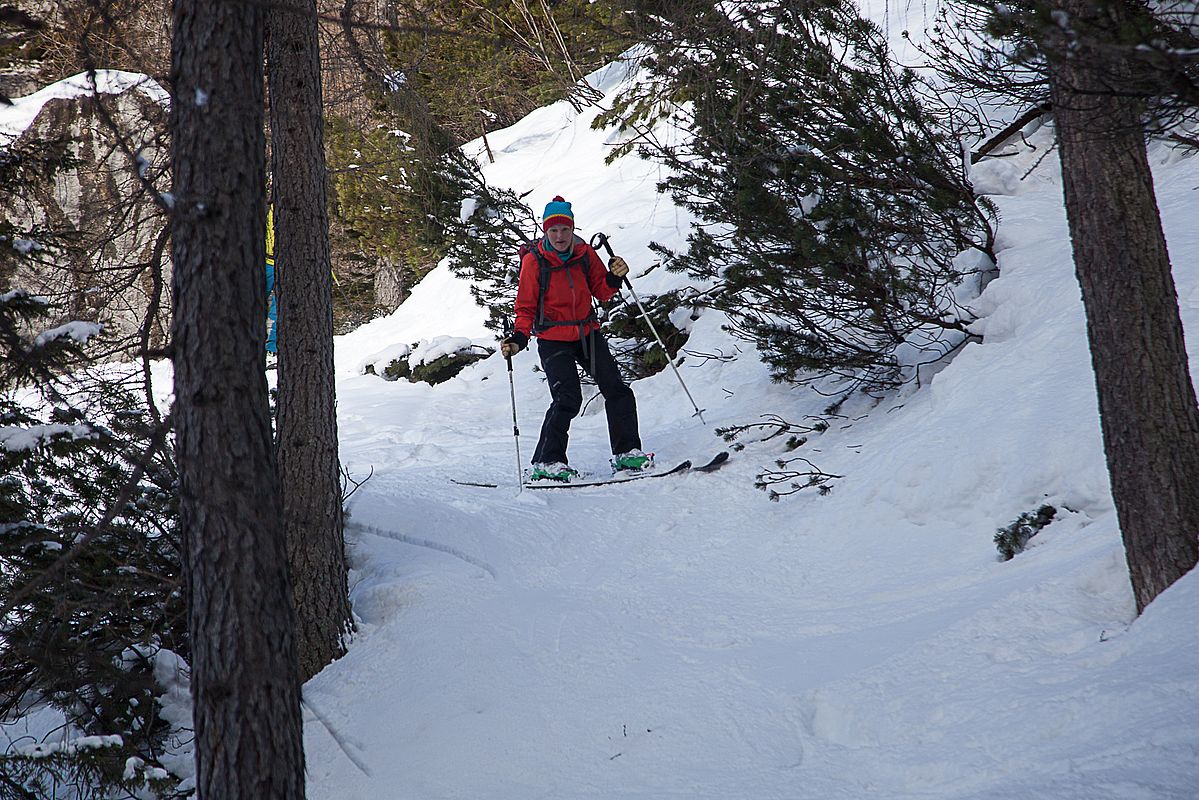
point(306, 412)
point(246, 693)
point(1147, 405)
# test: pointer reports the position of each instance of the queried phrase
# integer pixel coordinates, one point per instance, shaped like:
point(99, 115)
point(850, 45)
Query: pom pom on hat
point(557, 212)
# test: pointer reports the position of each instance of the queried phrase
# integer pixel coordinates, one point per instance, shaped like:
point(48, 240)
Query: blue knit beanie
point(557, 212)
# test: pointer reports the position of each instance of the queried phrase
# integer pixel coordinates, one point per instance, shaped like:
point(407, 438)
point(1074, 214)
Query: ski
point(618, 478)
point(711, 466)
point(715, 463)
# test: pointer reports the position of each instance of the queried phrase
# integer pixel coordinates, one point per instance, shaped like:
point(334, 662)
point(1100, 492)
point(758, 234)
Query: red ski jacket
point(568, 292)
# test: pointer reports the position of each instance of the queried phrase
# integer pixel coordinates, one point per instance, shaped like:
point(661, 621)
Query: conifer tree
point(832, 202)
point(306, 421)
point(91, 597)
point(90, 589)
point(486, 238)
point(245, 685)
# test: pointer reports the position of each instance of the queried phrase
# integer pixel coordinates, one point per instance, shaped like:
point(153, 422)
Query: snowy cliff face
point(100, 237)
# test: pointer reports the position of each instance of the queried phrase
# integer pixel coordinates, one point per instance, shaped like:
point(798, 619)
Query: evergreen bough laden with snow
point(82, 770)
point(831, 199)
point(89, 573)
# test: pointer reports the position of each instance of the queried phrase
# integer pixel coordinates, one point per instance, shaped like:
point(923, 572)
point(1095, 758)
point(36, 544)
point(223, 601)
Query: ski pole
point(512, 393)
point(603, 242)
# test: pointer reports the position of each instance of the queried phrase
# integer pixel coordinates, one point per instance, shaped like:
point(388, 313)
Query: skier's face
point(560, 236)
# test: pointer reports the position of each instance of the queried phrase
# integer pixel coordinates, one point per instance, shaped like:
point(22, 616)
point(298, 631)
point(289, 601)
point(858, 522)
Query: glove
point(513, 345)
point(618, 267)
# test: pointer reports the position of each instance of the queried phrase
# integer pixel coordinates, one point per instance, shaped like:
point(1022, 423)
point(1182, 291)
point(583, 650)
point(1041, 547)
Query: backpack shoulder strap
point(543, 279)
point(545, 271)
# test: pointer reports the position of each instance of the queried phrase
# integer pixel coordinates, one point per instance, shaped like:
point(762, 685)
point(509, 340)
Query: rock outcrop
point(83, 225)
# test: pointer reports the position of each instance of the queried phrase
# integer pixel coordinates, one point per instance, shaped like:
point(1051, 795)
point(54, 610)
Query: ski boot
point(634, 460)
point(557, 471)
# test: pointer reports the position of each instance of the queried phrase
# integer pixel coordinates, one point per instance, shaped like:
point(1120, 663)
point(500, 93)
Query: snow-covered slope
point(685, 637)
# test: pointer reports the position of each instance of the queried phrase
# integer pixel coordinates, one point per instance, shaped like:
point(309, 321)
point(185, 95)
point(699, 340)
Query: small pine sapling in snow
point(1013, 539)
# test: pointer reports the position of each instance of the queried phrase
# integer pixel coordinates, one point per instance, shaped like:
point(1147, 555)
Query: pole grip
point(603, 242)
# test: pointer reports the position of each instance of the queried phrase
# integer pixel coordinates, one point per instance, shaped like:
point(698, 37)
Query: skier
point(559, 277)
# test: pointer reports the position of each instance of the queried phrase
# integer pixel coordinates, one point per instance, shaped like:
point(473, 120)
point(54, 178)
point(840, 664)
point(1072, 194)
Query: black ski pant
point(558, 359)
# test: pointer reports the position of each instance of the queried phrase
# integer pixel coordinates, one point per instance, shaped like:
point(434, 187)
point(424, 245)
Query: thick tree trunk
point(246, 694)
point(1147, 403)
point(307, 420)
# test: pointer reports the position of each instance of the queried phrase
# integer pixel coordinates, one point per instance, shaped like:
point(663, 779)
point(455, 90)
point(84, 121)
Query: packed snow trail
point(689, 639)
